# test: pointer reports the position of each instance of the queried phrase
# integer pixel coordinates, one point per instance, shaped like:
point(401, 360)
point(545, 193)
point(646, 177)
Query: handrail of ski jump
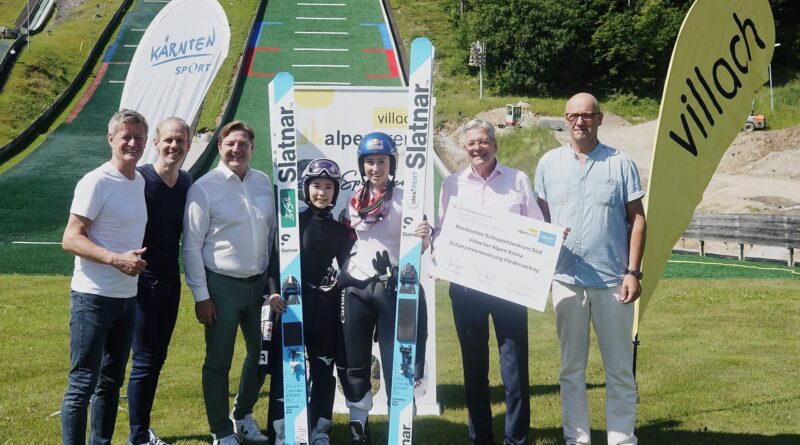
point(44, 8)
point(49, 115)
point(203, 162)
point(33, 16)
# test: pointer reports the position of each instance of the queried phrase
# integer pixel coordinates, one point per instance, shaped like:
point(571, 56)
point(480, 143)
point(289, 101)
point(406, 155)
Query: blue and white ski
point(285, 174)
point(416, 161)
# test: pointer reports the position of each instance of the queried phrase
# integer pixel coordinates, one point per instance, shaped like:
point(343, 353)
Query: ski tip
point(284, 76)
point(282, 84)
point(421, 53)
point(421, 43)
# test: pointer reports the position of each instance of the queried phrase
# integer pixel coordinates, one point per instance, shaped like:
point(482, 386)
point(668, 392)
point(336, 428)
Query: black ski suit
point(322, 239)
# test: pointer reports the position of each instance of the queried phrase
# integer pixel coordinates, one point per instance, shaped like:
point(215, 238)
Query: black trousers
point(471, 311)
point(157, 304)
point(365, 311)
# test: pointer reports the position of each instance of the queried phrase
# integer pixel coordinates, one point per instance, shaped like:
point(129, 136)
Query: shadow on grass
point(436, 430)
point(669, 432)
point(430, 430)
point(202, 438)
point(452, 396)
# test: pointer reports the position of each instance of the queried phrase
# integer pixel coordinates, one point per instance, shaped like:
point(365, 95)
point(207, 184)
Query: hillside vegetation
point(10, 10)
point(52, 60)
point(48, 65)
point(554, 47)
point(623, 59)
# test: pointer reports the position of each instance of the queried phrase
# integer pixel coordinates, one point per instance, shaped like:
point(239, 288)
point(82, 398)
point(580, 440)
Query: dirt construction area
point(759, 173)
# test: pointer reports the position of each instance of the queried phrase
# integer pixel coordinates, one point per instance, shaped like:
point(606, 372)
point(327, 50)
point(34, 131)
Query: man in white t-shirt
point(105, 232)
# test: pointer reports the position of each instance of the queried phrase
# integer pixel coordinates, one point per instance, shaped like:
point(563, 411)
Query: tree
point(532, 45)
point(551, 46)
point(632, 47)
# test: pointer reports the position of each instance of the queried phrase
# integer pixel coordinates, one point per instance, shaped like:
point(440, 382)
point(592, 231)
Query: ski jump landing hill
point(342, 42)
point(37, 192)
point(338, 45)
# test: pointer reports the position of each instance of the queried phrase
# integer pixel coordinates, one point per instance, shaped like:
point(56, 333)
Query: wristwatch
point(635, 273)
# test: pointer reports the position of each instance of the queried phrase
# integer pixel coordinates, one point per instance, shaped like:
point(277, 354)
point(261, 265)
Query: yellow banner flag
point(720, 58)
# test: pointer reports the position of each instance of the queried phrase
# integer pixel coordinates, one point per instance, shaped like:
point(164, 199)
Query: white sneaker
point(233, 439)
point(280, 431)
point(155, 440)
point(319, 435)
point(248, 429)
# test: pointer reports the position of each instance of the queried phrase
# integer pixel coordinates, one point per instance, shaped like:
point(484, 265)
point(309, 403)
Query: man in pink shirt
point(489, 184)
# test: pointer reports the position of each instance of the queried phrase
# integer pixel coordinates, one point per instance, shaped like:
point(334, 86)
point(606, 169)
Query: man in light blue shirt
point(595, 191)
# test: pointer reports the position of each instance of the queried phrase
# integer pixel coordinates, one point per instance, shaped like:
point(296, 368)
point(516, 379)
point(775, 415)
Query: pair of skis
point(415, 160)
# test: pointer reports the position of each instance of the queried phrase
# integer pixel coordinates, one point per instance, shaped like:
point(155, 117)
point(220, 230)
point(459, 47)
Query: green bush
point(522, 147)
point(551, 47)
point(632, 47)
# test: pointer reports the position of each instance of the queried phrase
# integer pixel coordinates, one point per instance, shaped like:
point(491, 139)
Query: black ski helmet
point(377, 143)
point(321, 168)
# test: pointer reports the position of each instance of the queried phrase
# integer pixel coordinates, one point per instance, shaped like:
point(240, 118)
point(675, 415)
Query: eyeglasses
point(480, 142)
point(587, 117)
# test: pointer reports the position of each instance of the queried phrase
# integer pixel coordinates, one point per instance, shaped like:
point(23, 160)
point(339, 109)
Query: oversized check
point(500, 253)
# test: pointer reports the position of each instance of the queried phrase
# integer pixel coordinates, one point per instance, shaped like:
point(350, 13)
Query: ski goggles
point(324, 167)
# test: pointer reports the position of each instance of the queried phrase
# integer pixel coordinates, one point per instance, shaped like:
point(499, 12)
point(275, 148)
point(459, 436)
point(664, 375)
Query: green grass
point(10, 10)
point(29, 95)
point(48, 64)
point(631, 108)
point(37, 258)
point(66, 155)
point(717, 365)
point(786, 98)
point(19, 157)
point(522, 147)
point(693, 266)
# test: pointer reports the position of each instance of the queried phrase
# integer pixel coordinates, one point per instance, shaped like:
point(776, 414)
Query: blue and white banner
point(175, 62)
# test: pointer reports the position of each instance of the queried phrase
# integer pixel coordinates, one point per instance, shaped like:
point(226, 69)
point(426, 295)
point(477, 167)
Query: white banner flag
point(175, 63)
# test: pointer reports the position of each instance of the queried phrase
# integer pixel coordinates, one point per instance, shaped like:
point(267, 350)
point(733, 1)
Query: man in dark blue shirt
point(159, 291)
